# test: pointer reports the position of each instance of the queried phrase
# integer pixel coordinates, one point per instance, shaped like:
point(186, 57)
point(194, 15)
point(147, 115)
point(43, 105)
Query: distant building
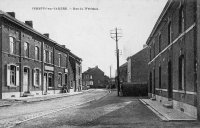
point(123, 72)
point(93, 78)
point(137, 67)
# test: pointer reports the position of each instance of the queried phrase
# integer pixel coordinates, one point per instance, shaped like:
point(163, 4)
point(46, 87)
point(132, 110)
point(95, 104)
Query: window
point(12, 75)
point(36, 52)
point(79, 81)
point(160, 77)
point(169, 33)
point(79, 70)
point(159, 43)
point(46, 56)
point(12, 45)
point(181, 20)
point(26, 49)
point(90, 76)
point(59, 60)
point(91, 83)
point(150, 53)
point(181, 73)
point(59, 79)
point(37, 77)
point(66, 62)
point(51, 57)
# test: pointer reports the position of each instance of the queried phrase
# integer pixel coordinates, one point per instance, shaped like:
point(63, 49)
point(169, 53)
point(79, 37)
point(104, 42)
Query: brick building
point(174, 45)
point(33, 64)
point(94, 78)
point(123, 72)
point(137, 67)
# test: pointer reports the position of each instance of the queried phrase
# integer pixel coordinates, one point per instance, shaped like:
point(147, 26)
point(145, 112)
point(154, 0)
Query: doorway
point(45, 83)
point(150, 82)
point(170, 86)
point(50, 80)
point(26, 80)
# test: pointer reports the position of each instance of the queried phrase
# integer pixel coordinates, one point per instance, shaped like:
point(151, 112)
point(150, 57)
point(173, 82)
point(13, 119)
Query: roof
point(123, 65)
point(136, 53)
point(92, 69)
point(168, 4)
point(23, 25)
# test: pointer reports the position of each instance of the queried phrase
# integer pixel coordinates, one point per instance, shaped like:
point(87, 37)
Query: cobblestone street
point(83, 110)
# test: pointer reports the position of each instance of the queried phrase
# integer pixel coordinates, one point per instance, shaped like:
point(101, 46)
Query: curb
point(161, 116)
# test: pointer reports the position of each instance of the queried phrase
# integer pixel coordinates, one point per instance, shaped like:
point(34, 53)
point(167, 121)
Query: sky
point(87, 32)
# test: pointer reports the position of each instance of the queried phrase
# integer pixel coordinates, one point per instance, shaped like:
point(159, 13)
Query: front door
point(45, 83)
point(66, 85)
point(26, 80)
point(50, 80)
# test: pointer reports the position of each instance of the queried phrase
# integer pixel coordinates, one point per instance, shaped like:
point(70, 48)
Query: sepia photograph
point(100, 63)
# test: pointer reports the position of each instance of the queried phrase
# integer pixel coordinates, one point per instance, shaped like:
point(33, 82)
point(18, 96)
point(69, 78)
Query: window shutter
point(17, 75)
point(40, 77)
point(8, 75)
point(34, 77)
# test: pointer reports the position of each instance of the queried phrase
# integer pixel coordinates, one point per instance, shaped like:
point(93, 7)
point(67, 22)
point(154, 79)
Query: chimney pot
point(29, 23)
point(11, 14)
point(46, 34)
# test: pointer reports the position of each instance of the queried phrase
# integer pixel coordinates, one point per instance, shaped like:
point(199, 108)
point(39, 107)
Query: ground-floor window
point(37, 77)
point(59, 79)
point(12, 75)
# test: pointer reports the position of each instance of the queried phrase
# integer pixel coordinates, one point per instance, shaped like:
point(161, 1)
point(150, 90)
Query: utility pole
point(116, 35)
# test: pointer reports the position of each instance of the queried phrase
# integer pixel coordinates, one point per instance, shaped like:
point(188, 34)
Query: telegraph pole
point(116, 35)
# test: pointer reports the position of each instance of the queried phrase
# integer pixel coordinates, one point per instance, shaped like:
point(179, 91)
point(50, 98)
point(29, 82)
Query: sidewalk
point(11, 101)
point(166, 114)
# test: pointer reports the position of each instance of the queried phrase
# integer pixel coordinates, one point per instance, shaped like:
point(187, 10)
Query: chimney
point(29, 23)
point(46, 34)
point(145, 45)
point(63, 46)
point(11, 14)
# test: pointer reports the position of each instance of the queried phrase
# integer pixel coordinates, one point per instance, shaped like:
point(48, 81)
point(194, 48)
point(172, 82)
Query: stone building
point(174, 45)
point(33, 64)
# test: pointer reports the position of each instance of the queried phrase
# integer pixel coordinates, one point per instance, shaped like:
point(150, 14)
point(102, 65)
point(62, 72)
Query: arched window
point(169, 32)
point(36, 52)
point(26, 49)
point(12, 45)
point(181, 20)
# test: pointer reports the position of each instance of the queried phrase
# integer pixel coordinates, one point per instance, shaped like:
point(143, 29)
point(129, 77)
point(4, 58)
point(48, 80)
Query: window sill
point(12, 86)
point(37, 86)
point(60, 86)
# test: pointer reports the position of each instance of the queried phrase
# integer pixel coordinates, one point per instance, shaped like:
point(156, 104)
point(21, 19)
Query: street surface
point(93, 109)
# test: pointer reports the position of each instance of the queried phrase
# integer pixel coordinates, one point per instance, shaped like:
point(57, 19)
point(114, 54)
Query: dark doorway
point(170, 86)
point(150, 82)
point(154, 81)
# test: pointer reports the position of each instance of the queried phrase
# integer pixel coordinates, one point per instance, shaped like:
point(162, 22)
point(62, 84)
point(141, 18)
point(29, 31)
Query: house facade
point(93, 78)
point(174, 46)
point(31, 63)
